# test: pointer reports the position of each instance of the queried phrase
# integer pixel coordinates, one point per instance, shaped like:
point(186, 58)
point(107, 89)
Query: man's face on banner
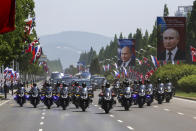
point(125, 54)
point(170, 39)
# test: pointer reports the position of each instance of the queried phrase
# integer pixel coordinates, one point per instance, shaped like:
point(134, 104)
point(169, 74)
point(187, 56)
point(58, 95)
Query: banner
point(7, 16)
point(171, 36)
point(126, 52)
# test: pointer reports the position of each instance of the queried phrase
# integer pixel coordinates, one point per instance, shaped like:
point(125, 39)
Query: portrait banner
point(171, 37)
point(126, 52)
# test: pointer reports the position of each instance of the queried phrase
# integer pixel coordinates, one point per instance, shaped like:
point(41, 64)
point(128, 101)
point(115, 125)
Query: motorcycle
point(107, 100)
point(160, 93)
point(56, 96)
point(84, 99)
point(125, 98)
point(149, 94)
point(47, 97)
point(141, 96)
point(64, 98)
point(168, 92)
point(21, 96)
point(34, 97)
point(75, 96)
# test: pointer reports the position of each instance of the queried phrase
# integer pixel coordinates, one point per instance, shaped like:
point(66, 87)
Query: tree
point(166, 11)
point(191, 30)
point(95, 67)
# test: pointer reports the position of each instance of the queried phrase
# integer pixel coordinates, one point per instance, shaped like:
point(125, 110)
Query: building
point(183, 11)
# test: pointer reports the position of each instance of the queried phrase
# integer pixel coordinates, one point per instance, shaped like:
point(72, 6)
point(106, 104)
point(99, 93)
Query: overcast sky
point(105, 17)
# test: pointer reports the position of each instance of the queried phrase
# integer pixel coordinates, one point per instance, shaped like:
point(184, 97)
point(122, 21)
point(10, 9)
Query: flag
point(116, 65)
point(125, 71)
point(116, 74)
point(193, 54)
point(139, 61)
point(145, 60)
point(155, 61)
point(7, 16)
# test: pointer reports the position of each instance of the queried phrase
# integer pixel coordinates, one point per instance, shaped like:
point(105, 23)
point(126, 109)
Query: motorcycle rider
point(168, 83)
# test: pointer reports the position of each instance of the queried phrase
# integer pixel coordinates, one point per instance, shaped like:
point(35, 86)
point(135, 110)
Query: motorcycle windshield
point(127, 90)
point(107, 92)
point(35, 92)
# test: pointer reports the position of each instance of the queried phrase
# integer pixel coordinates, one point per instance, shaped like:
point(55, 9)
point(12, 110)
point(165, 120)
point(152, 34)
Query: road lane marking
point(4, 102)
point(42, 117)
point(180, 113)
point(130, 128)
point(100, 108)
point(41, 123)
point(111, 115)
point(194, 117)
point(40, 129)
point(155, 106)
point(120, 121)
point(95, 105)
point(166, 109)
point(43, 113)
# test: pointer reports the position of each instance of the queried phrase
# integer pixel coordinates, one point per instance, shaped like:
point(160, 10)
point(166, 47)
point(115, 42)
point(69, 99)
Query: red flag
point(145, 60)
point(7, 16)
point(193, 53)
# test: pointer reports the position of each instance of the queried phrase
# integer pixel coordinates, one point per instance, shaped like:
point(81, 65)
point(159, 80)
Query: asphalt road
point(178, 115)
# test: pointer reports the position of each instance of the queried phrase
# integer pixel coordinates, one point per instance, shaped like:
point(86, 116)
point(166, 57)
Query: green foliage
point(173, 72)
point(55, 65)
point(95, 67)
point(188, 83)
point(87, 57)
point(71, 70)
point(191, 31)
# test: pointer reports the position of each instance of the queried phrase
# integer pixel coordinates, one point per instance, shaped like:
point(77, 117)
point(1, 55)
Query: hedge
point(173, 72)
point(188, 83)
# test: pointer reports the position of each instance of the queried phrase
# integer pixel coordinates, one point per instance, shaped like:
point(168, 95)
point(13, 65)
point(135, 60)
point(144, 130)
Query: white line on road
point(4, 102)
point(130, 128)
point(40, 129)
point(111, 115)
point(95, 105)
point(120, 121)
point(42, 117)
point(43, 113)
point(155, 106)
point(194, 117)
point(41, 123)
point(99, 108)
point(166, 109)
point(180, 113)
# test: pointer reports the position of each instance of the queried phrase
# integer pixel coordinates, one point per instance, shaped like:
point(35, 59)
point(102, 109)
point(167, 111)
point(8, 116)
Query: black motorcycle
point(21, 96)
point(84, 99)
point(75, 96)
point(160, 93)
point(34, 97)
point(149, 94)
point(64, 98)
point(141, 96)
point(168, 92)
point(107, 100)
point(125, 98)
point(47, 97)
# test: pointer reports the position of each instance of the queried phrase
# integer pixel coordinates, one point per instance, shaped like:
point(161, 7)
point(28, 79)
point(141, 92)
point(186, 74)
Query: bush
point(188, 83)
point(173, 72)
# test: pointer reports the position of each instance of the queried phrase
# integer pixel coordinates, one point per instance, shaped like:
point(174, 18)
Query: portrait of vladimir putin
point(171, 52)
point(126, 57)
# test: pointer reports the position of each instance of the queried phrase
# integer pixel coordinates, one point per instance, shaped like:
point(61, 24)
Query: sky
point(106, 17)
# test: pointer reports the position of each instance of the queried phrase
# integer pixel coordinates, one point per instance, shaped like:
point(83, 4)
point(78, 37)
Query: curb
point(192, 99)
